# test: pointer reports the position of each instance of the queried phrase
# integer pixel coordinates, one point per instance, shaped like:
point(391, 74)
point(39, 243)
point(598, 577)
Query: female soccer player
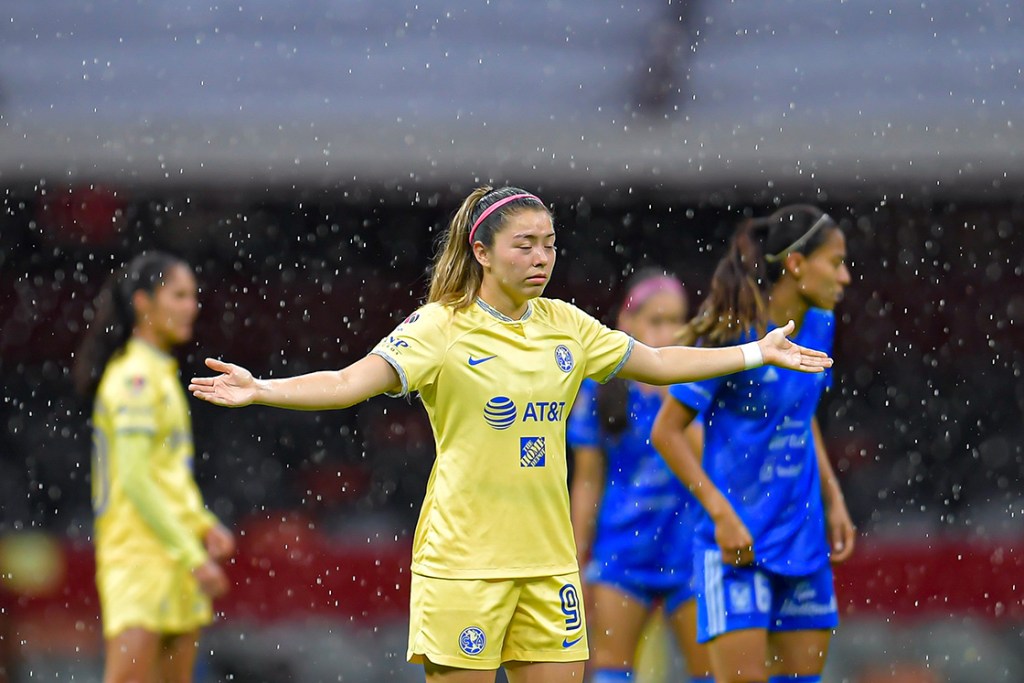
point(764, 585)
point(495, 578)
point(156, 545)
point(631, 515)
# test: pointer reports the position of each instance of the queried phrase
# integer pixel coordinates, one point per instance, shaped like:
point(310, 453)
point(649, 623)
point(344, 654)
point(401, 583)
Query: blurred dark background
point(929, 346)
point(304, 157)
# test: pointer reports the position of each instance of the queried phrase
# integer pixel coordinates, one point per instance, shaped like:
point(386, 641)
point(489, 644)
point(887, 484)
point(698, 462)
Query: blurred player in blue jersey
point(632, 518)
point(775, 513)
point(495, 582)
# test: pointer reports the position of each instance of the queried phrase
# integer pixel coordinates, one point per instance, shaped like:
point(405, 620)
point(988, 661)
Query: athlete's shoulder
point(555, 306)
point(130, 374)
point(431, 317)
point(431, 312)
point(820, 322)
point(822, 315)
point(561, 313)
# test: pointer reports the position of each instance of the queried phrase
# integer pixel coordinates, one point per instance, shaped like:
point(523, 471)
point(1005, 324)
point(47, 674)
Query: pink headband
point(494, 207)
point(648, 288)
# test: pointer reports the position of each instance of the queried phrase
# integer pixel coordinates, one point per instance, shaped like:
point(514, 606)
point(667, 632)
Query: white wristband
point(752, 357)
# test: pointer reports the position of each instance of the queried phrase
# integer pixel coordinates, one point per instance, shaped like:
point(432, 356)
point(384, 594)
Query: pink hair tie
point(639, 294)
point(494, 207)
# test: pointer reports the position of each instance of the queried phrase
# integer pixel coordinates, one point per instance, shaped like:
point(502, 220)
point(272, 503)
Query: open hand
point(234, 387)
point(776, 349)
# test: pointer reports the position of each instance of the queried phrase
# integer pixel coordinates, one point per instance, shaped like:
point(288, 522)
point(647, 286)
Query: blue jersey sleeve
point(583, 428)
point(696, 395)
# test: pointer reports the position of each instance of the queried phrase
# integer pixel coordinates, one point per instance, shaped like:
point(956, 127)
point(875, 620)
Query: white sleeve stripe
point(398, 368)
point(625, 357)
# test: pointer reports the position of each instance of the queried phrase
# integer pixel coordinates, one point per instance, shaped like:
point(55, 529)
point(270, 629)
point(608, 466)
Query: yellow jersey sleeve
point(133, 453)
point(606, 350)
point(198, 518)
point(417, 347)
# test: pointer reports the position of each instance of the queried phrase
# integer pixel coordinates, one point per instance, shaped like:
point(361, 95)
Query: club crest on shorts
point(472, 640)
point(563, 357)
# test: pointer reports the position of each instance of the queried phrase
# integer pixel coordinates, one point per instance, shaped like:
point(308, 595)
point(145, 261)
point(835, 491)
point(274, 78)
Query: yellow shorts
point(153, 594)
point(480, 623)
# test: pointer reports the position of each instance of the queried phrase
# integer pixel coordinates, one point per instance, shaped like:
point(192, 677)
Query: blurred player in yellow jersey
point(494, 574)
point(157, 547)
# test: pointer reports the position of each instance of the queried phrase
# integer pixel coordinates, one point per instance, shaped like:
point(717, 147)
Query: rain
point(304, 158)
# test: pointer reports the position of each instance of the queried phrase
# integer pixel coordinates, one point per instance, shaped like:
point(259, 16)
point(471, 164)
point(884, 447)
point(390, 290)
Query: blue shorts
point(735, 598)
point(672, 593)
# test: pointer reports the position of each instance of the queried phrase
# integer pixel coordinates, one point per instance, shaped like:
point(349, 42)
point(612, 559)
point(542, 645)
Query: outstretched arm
point(678, 364)
point(235, 386)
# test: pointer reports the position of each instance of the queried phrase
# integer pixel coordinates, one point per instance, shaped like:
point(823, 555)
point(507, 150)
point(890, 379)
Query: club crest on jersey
point(136, 384)
point(531, 451)
point(500, 412)
point(563, 358)
point(472, 640)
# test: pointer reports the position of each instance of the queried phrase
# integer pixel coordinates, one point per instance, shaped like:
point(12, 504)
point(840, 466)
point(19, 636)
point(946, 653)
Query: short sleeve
point(583, 428)
point(133, 401)
point(696, 395)
point(416, 348)
point(606, 350)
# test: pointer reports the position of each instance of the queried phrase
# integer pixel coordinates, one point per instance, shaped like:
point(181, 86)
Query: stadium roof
point(837, 96)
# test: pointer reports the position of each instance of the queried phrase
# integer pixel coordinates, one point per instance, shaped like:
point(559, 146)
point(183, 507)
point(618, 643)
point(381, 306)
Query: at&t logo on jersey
point(501, 412)
point(472, 640)
point(563, 357)
point(531, 451)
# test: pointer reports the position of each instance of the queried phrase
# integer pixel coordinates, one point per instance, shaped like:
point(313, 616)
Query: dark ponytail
point(736, 301)
point(112, 317)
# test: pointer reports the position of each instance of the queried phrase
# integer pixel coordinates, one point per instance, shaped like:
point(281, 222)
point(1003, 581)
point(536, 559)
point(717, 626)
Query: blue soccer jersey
point(759, 451)
point(644, 529)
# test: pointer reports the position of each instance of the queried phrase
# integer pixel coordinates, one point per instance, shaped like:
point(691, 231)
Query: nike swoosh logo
point(478, 361)
point(569, 643)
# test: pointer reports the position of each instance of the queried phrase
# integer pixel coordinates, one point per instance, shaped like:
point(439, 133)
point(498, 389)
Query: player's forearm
point(131, 451)
point(669, 438)
point(680, 364)
point(324, 390)
point(831, 492)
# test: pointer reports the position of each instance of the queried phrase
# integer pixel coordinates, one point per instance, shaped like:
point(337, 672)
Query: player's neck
point(785, 304)
point(145, 333)
point(500, 301)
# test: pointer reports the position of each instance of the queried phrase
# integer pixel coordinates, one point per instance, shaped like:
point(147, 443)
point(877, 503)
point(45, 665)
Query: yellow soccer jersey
point(140, 393)
point(498, 392)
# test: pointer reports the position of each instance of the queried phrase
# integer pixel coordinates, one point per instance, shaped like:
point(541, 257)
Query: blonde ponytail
point(456, 275)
